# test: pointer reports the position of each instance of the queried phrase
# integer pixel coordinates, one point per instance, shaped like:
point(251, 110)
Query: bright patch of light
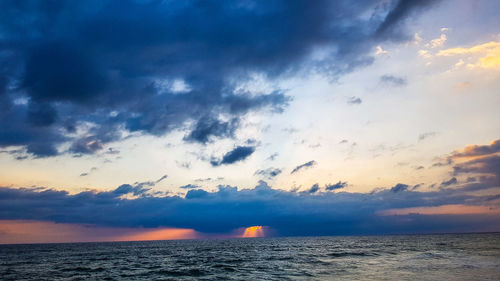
point(253, 231)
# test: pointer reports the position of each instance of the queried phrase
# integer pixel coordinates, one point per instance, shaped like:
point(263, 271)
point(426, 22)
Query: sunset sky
point(143, 120)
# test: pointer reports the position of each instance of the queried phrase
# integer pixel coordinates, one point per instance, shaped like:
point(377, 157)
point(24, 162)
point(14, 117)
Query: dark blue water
point(412, 257)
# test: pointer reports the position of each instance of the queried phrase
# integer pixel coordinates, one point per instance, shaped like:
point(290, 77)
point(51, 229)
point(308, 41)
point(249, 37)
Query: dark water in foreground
point(412, 257)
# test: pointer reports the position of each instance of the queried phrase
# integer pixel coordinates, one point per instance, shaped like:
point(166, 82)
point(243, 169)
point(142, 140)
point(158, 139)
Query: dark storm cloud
point(288, 213)
point(306, 165)
point(239, 153)
point(390, 27)
point(207, 128)
point(113, 63)
point(338, 185)
point(392, 80)
point(86, 145)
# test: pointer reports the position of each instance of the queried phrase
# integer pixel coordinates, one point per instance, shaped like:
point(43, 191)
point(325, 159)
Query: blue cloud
point(80, 61)
point(239, 153)
point(400, 187)
point(189, 186)
point(268, 173)
point(390, 28)
point(306, 165)
point(208, 128)
point(451, 181)
point(392, 80)
point(314, 188)
point(228, 208)
point(338, 185)
point(354, 100)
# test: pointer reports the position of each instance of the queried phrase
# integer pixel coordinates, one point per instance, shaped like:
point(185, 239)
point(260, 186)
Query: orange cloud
point(26, 231)
point(488, 53)
point(453, 209)
point(478, 150)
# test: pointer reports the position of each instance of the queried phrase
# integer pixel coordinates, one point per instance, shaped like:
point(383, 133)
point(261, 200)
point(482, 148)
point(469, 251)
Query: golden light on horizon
point(253, 231)
point(31, 231)
point(160, 234)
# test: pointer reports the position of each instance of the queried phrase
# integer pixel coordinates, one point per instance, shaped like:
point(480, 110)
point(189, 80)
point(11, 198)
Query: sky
point(145, 120)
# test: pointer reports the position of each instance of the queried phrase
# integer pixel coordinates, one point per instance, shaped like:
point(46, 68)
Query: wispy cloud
point(391, 80)
point(306, 165)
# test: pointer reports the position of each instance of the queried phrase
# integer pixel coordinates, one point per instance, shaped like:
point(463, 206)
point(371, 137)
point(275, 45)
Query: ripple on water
point(413, 257)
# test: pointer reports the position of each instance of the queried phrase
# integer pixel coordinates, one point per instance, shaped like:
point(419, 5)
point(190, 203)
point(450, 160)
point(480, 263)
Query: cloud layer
point(89, 73)
point(327, 210)
point(288, 213)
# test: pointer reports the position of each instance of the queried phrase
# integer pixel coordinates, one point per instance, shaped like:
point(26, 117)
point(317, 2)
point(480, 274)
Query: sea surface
point(410, 257)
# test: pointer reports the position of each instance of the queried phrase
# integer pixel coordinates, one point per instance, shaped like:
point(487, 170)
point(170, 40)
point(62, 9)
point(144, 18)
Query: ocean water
point(410, 257)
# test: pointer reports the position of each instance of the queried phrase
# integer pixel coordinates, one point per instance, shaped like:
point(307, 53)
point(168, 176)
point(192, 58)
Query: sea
point(400, 257)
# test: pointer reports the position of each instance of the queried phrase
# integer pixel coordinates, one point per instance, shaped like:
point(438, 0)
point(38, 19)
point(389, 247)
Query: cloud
point(379, 51)
point(268, 173)
point(272, 157)
point(207, 128)
point(391, 26)
point(229, 208)
point(354, 100)
point(189, 186)
point(438, 42)
point(239, 153)
point(402, 208)
point(203, 180)
point(478, 150)
point(479, 165)
point(86, 145)
point(399, 187)
point(137, 190)
point(443, 162)
point(427, 135)
point(314, 188)
point(392, 80)
point(450, 182)
point(150, 67)
point(162, 178)
point(338, 185)
point(487, 165)
point(306, 165)
point(486, 55)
